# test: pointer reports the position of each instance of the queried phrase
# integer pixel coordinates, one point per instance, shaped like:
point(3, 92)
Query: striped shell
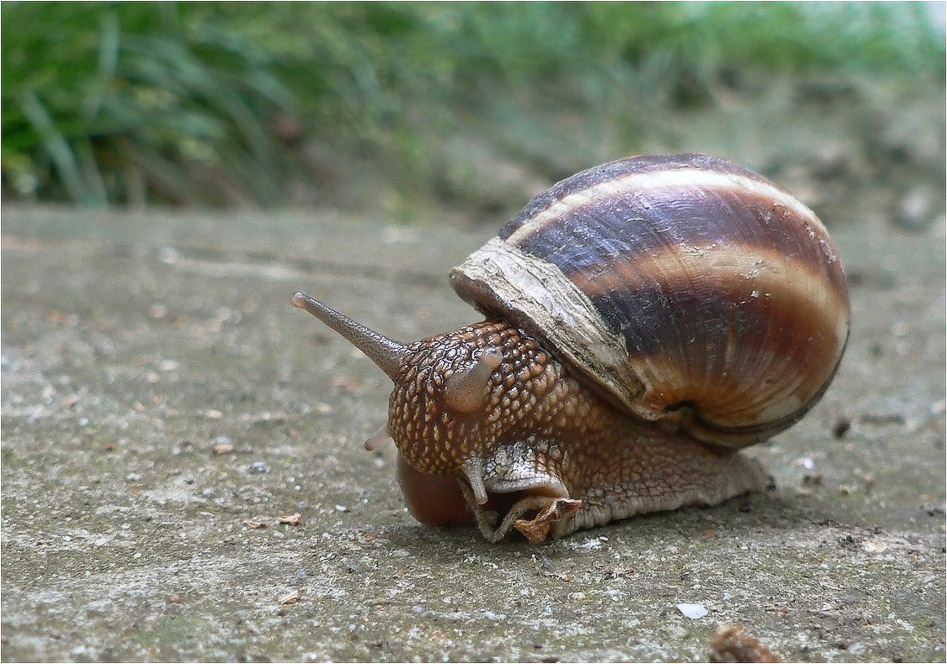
point(683, 287)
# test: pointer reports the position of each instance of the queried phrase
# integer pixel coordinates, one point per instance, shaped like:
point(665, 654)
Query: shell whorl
point(684, 287)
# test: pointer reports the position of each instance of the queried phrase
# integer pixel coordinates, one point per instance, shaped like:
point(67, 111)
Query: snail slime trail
point(644, 320)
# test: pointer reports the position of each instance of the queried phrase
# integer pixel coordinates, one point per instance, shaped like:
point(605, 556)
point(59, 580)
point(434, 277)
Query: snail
point(644, 320)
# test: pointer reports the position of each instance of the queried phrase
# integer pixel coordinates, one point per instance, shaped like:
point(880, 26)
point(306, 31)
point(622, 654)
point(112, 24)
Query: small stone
point(222, 448)
point(692, 611)
point(168, 255)
point(805, 461)
point(918, 208)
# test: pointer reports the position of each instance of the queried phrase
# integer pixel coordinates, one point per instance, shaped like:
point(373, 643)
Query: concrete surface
point(161, 400)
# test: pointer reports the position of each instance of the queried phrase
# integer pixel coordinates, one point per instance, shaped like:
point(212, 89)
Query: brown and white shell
point(683, 287)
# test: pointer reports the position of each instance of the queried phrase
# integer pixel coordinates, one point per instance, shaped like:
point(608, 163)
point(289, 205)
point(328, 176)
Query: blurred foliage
point(223, 103)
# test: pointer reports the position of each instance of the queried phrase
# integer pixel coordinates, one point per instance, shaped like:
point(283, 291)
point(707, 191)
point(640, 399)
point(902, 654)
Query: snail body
point(645, 319)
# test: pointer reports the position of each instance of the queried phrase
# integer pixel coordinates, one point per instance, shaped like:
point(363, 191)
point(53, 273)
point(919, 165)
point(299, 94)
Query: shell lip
point(533, 294)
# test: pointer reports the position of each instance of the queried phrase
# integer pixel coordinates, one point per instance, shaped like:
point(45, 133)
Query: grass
point(234, 103)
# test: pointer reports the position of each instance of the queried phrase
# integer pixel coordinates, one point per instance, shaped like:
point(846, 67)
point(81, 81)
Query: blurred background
point(463, 111)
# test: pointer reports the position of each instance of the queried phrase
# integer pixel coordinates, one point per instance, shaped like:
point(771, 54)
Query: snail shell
point(684, 288)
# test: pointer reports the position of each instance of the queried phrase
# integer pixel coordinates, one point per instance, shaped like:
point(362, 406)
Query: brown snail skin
point(645, 319)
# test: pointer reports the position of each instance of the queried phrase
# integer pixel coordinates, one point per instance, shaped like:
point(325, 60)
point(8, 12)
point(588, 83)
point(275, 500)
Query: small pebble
point(918, 208)
point(168, 255)
point(692, 611)
point(806, 462)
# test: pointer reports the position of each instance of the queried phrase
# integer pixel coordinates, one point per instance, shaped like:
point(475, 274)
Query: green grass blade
point(56, 146)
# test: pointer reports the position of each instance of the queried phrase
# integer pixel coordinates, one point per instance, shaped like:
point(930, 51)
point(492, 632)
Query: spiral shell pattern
point(685, 288)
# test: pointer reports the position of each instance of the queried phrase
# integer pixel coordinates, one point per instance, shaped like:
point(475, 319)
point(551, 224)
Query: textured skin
point(542, 433)
point(436, 439)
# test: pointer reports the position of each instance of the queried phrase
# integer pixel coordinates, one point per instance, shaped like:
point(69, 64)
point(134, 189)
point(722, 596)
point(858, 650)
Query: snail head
point(439, 413)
